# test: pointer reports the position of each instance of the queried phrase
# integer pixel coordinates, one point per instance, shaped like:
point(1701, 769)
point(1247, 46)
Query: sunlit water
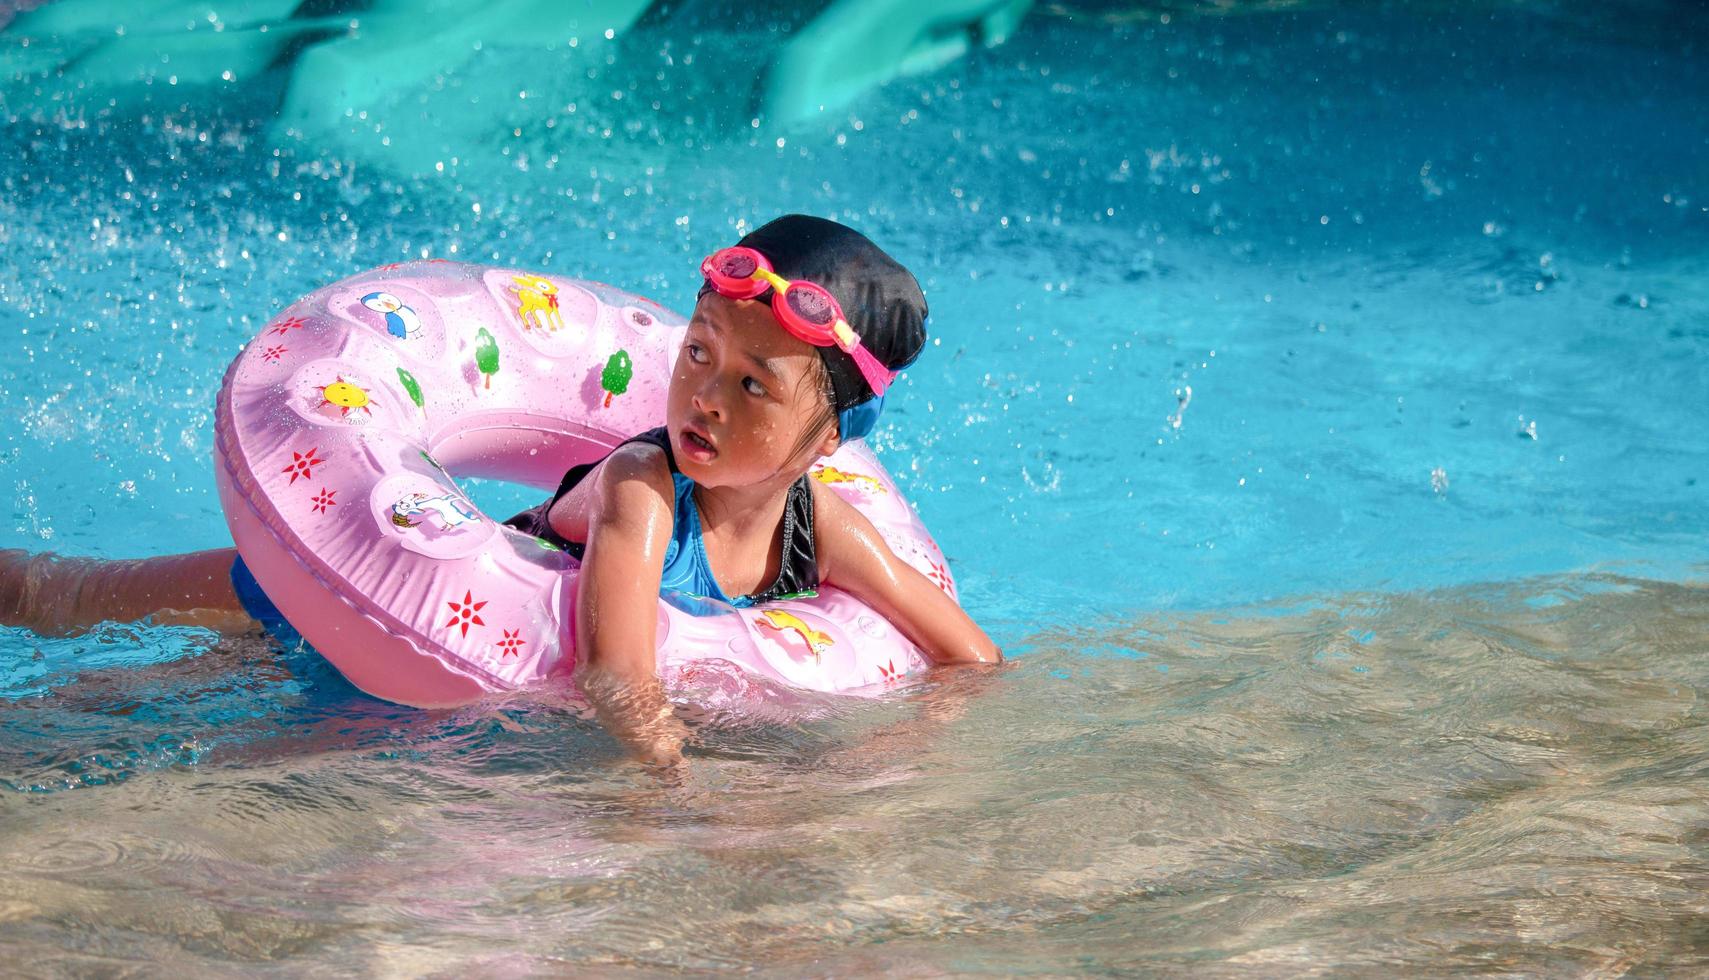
point(1382, 648)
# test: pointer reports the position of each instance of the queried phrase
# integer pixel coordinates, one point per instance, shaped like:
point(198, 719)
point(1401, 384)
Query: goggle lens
point(736, 272)
point(734, 264)
point(812, 304)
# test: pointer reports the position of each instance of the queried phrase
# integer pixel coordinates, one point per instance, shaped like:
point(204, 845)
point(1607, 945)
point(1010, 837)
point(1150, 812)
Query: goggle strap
point(875, 373)
point(845, 336)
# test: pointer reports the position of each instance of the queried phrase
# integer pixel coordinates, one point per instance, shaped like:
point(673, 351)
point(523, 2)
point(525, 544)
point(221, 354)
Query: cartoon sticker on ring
point(414, 509)
point(401, 321)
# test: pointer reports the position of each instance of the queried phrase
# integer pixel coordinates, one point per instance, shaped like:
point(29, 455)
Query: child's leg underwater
point(54, 595)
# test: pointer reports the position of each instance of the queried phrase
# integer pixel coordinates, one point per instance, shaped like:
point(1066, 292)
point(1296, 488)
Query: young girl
point(716, 503)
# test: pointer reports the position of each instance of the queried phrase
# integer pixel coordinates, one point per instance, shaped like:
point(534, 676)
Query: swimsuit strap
point(798, 566)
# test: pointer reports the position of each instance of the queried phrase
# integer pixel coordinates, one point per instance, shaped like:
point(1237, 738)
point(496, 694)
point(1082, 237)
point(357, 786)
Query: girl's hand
point(853, 556)
point(628, 520)
point(637, 715)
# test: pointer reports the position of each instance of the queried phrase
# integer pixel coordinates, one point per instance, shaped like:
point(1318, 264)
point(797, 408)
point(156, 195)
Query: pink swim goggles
point(807, 310)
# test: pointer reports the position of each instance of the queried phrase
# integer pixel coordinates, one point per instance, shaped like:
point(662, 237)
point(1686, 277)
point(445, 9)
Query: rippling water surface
point(1505, 779)
point(1317, 419)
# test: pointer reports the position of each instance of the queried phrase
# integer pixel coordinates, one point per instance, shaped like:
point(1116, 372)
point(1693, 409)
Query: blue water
point(1372, 243)
point(1432, 273)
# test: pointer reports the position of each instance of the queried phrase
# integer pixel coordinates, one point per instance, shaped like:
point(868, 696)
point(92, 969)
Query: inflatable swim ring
point(339, 430)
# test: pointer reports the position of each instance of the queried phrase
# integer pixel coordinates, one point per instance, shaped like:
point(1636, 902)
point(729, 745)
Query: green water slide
point(100, 54)
point(856, 44)
point(419, 85)
point(422, 83)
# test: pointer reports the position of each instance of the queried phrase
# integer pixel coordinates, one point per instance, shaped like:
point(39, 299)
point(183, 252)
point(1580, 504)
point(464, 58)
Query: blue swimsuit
point(259, 607)
point(687, 571)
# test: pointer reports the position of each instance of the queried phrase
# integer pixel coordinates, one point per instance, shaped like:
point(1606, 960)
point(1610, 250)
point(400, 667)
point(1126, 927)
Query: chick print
point(347, 398)
point(401, 321)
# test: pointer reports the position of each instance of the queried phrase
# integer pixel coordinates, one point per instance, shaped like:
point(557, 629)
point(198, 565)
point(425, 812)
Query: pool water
point(1315, 414)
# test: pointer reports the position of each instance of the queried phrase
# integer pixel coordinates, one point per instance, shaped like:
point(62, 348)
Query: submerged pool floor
point(1315, 409)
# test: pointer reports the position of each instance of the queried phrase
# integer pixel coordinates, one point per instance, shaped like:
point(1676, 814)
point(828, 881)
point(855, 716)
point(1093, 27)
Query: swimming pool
point(1315, 410)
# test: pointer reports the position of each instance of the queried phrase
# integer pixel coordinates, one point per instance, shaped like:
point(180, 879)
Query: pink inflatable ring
point(339, 431)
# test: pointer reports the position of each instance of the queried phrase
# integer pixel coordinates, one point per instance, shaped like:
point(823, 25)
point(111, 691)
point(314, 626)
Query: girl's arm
point(853, 557)
point(628, 528)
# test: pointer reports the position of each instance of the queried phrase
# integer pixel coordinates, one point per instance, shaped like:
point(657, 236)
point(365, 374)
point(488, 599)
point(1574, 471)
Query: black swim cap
point(880, 298)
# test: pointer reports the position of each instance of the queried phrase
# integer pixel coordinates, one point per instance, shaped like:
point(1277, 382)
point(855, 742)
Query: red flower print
point(463, 613)
point(511, 645)
point(390, 267)
point(274, 352)
point(940, 578)
point(288, 324)
point(323, 500)
point(889, 671)
point(302, 464)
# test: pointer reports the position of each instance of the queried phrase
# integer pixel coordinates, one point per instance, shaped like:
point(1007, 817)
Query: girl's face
point(742, 396)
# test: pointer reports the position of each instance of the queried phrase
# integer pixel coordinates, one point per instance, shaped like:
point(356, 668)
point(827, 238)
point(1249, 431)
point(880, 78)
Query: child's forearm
point(637, 714)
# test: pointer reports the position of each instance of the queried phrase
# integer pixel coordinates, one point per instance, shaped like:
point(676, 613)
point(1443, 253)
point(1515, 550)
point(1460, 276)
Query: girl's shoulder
point(635, 472)
point(632, 484)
